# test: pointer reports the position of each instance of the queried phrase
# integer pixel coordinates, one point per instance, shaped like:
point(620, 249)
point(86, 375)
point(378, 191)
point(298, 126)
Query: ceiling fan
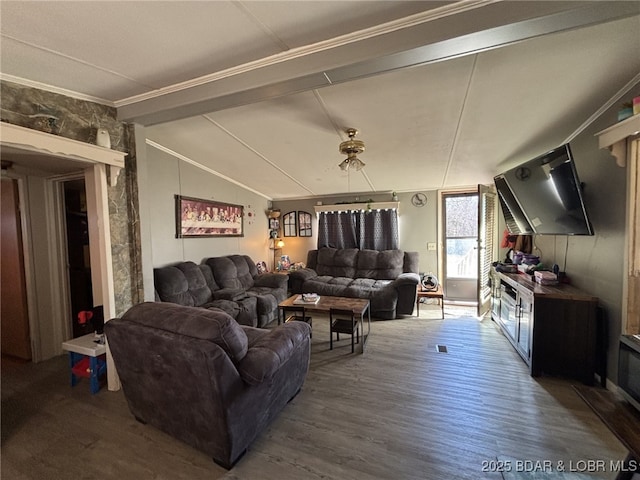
point(351, 148)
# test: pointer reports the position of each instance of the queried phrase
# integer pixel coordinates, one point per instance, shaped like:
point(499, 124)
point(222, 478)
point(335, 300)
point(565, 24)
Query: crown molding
point(190, 161)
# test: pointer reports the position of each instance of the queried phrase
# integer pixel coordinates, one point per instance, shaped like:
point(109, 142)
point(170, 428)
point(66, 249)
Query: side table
point(86, 359)
point(437, 293)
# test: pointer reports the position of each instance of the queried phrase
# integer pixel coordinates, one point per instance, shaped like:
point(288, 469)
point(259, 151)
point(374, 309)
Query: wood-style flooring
point(400, 411)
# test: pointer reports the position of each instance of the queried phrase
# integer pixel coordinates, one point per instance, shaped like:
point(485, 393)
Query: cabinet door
point(508, 317)
point(495, 299)
point(525, 323)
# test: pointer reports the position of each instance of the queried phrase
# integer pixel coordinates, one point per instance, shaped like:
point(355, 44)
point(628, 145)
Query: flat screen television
point(543, 196)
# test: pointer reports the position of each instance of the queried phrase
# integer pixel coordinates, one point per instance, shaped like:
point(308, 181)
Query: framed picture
point(304, 224)
point(289, 224)
point(274, 224)
point(196, 217)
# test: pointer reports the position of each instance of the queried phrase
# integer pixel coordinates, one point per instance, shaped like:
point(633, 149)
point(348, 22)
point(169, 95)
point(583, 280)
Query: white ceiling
point(444, 94)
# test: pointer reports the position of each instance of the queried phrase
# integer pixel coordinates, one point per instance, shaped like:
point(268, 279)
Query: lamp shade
point(279, 243)
point(356, 163)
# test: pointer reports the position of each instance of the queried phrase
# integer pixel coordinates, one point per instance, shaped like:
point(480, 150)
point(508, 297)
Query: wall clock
point(419, 200)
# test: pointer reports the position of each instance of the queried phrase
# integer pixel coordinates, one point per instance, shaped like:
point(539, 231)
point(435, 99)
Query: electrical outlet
point(431, 246)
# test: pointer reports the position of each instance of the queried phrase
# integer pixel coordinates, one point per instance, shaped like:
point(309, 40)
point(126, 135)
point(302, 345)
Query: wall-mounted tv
point(543, 196)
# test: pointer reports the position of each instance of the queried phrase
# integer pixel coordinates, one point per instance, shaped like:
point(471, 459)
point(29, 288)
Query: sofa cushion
point(254, 334)
point(198, 287)
point(183, 284)
point(232, 271)
point(227, 306)
point(205, 324)
point(379, 265)
point(171, 286)
point(266, 299)
point(337, 262)
point(382, 299)
point(369, 283)
point(208, 277)
point(269, 352)
point(327, 285)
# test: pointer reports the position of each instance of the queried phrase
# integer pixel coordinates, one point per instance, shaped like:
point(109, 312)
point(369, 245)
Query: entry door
point(460, 218)
point(486, 242)
point(16, 340)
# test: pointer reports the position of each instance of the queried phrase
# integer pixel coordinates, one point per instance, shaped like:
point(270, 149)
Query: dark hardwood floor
point(400, 411)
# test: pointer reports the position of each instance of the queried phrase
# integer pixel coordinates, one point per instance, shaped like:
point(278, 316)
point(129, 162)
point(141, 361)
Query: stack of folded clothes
point(545, 278)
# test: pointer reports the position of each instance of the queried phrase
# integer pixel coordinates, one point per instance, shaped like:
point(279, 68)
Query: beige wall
point(167, 176)
point(595, 263)
point(417, 225)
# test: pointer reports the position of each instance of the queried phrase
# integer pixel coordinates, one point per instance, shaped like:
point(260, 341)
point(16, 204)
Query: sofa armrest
point(411, 279)
point(233, 294)
point(272, 280)
point(298, 277)
point(271, 351)
point(406, 284)
point(303, 273)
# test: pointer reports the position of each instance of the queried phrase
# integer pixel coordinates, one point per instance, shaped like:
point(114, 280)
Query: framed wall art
point(289, 224)
point(304, 224)
point(196, 217)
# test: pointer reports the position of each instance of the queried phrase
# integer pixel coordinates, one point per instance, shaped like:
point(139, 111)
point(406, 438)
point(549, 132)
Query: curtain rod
point(357, 206)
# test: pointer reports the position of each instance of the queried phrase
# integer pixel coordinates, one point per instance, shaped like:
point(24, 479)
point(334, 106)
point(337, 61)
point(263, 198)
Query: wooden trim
point(100, 253)
point(632, 292)
point(46, 143)
point(619, 131)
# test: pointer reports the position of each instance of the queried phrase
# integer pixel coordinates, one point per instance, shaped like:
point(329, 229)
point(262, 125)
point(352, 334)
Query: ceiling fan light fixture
point(351, 148)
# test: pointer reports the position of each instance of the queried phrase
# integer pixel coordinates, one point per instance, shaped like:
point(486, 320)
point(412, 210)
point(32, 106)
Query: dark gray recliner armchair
point(199, 376)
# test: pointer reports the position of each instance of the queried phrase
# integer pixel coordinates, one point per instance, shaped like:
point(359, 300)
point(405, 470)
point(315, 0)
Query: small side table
point(437, 293)
point(83, 353)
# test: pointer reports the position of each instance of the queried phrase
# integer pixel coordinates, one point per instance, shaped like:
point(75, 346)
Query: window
point(304, 224)
point(289, 224)
point(461, 235)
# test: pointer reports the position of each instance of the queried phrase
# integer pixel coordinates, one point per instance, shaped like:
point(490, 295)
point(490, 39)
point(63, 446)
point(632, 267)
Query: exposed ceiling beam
point(241, 89)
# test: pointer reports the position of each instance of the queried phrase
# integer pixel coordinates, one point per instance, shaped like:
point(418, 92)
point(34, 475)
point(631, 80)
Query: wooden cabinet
point(553, 328)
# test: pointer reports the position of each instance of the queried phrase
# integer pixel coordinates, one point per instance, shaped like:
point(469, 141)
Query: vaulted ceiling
point(444, 94)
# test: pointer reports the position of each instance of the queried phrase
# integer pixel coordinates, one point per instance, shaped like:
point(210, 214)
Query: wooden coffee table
point(359, 306)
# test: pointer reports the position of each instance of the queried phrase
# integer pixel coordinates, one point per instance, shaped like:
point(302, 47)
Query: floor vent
point(441, 349)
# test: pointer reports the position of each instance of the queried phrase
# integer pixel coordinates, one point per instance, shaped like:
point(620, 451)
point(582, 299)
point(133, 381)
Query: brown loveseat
point(199, 376)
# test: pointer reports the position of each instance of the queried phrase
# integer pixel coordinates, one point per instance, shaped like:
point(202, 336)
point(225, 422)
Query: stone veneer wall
point(79, 119)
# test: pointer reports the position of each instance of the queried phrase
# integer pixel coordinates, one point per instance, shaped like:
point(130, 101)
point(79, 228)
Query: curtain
point(337, 230)
point(363, 229)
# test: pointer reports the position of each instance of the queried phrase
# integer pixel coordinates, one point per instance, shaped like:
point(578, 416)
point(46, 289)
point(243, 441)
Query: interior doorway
point(45, 262)
point(77, 253)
